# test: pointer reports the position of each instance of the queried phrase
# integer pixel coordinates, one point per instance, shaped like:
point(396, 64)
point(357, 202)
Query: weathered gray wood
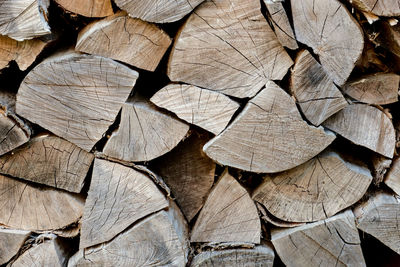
point(88, 8)
point(389, 8)
point(11, 242)
point(392, 178)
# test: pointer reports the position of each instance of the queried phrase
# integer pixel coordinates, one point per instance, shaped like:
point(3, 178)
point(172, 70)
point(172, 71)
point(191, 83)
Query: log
point(49, 160)
point(118, 196)
point(380, 166)
point(11, 242)
point(88, 8)
point(85, 96)
point(28, 207)
point(387, 8)
point(188, 172)
point(269, 121)
point(331, 242)
point(392, 178)
point(271, 219)
point(207, 109)
point(241, 52)
point(159, 11)
point(144, 133)
point(159, 240)
point(317, 95)
point(366, 126)
point(379, 217)
point(129, 40)
point(24, 19)
point(376, 89)
point(315, 190)
point(281, 24)
point(333, 34)
point(226, 217)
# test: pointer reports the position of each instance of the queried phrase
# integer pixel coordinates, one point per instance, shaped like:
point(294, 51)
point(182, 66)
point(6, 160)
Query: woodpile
point(199, 133)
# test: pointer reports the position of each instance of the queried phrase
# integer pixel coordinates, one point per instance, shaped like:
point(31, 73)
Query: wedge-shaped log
point(118, 196)
point(377, 89)
point(392, 178)
point(317, 95)
point(28, 207)
point(188, 172)
point(133, 41)
point(209, 110)
point(229, 215)
point(269, 121)
point(144, 133)
point(11, 242)
point(79, 95)
point(228, 46)
point(388, 8)
point(159, 240)
point(49, 160)
point(331, 242)
point(314, 190)
point(330, 30)
point(88, 8)
point(159, 11)
point(365, 126)
point(23, 19)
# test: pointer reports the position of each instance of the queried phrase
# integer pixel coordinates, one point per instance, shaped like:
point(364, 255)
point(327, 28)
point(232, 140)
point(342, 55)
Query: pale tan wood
point(379, 217)
point(269, 218)
point(229, 215)
point(392, 178)
point(389, 8)
point(159, 11)
point(317, 95)
point(133, 41)
point(144, 133)
point(158, 240)
point(380, 166)
point(228, 46)
point(260, 256)
point(11, 241)
point(49, 160)
point(70, 231)
point(118, 196)
point(268, 136)
point(314, 190)
point(88, 8)
point(365, 126)
point(282, 27)
point(207, 109)
point(331, 242)
point(188, 172)
point(330, 30)
point(28, 207)
point(377, 89)
point(84, 97)
point(23, 19)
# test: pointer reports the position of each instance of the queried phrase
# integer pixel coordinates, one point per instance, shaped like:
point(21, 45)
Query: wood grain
point(88, 8)
point(392, 178)
point(11, 242)
point(389, 8)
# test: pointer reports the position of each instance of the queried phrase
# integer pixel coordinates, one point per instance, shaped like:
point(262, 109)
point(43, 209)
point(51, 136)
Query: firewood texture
point(209, 110)
point(392, 178)
point(88, 8)
point(79, 95)
point(129, 40)
point(270, 120)
point(13, 132)
point(241, 52)
point(387, 8)
point(11, 242)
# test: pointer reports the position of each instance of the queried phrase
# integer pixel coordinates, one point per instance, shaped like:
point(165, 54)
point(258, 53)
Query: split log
point(392, 178)
point(377, 89)
point(389, 37)
point(159, 11)
point(144, 133)
point(317, 95)
point(241, 52)
point(259, 256)
point(331, 242)
point(282, 27)
point(271, 219)
point(330, 30)
point(118, 196)
point(79, 95)
point(380, 165)
point(387, 8)
point(207, 109)
point(129, 40)
point(379, 217)
point(227, 217)
point(27, 207)
point(188, 172)
point(158, 240)
point(365, 126)
point(11, 242)
point(49, 160)
point(88, 8)
point(24, 19)
point(269, 121)
point(314, 190)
